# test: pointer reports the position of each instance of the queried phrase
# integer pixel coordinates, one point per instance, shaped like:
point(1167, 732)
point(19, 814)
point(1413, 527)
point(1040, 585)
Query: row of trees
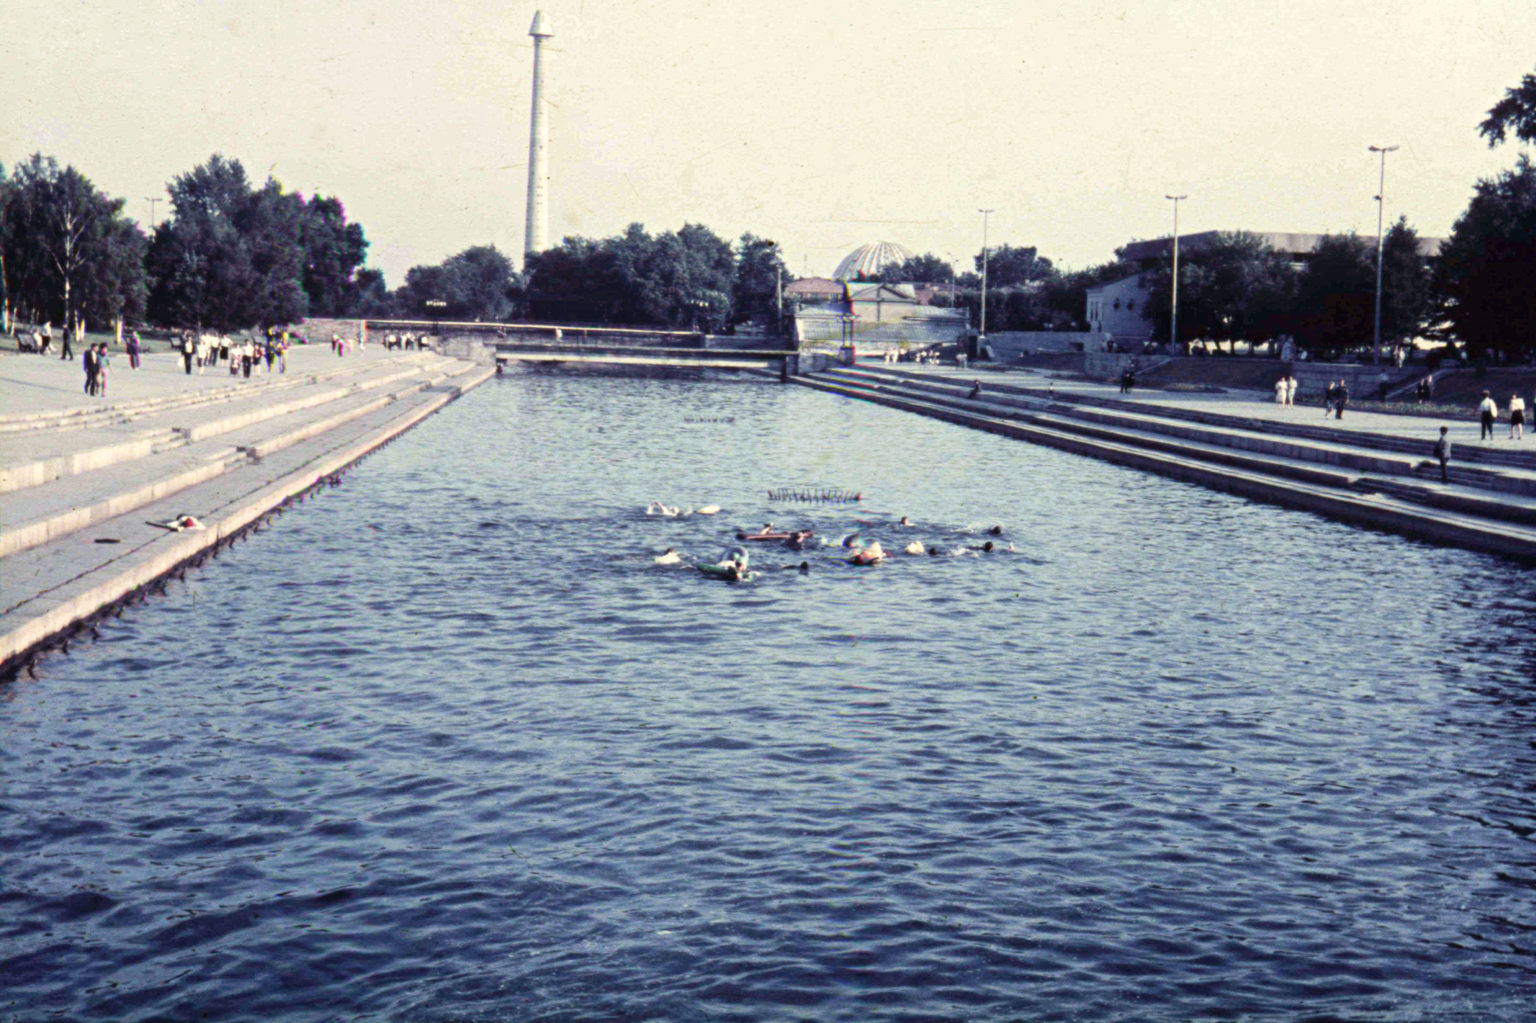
point(230, 255)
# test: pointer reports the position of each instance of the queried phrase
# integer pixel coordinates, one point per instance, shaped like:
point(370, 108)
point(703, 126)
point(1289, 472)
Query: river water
point(444, 743)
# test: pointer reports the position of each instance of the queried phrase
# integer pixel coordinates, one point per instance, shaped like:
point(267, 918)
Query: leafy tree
point(1335, 300)
point(230, 256)
point(1238, 287)
point(760, 273)
point(476, 284)
point(1486, 269)
point(1516, 112)
point(924, 269)
point(334, 251)
point(680, 279)
point(1407, 284)
point(69, 254)
point(373, 298)
point(1014, 265)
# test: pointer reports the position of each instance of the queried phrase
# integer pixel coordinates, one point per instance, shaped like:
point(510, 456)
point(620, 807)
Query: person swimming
point(668, 557)
point(915, 547)
point(904, 521)
point(996, 531)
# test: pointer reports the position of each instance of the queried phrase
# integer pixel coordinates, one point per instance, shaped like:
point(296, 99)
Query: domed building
point(868, 260)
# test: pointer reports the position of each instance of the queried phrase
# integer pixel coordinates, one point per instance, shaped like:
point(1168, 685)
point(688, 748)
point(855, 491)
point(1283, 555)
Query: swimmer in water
point(904, 521)
point(996, 531)
point(668, 557)
point(915, 547)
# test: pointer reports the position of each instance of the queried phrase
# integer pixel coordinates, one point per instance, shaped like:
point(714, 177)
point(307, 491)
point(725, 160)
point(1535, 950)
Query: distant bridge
point(644, 355)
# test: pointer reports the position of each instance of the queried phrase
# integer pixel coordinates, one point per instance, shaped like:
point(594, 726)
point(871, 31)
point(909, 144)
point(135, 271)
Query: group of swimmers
point(735, 564)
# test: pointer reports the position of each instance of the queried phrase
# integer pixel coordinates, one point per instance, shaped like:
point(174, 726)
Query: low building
point(815, 291)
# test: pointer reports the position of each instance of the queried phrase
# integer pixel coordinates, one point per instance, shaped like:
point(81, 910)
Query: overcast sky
point(819, 123)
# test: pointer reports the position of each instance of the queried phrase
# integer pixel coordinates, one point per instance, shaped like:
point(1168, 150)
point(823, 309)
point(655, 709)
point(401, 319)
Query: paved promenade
point(84, 479)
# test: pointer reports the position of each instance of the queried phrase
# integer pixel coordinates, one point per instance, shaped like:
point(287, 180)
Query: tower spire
point(536, 229)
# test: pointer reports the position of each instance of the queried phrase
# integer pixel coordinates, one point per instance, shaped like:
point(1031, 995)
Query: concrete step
point(1361, 507)
point(39, 515)
point(214, 386)
point(1493, 456)
point(49, 591)
point(89, 449)
point(1333, 448)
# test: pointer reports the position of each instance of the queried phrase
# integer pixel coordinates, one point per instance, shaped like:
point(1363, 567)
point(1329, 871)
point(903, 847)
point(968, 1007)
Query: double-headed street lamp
point(1381, 192)
point(1173, 332)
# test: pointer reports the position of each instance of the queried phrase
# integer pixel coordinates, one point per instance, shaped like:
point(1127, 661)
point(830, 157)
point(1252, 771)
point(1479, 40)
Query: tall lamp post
point(1173, 332)
point(981, 337)
point(1381, 192)
point(437, 306)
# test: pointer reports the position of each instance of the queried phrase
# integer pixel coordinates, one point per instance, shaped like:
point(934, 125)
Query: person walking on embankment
point(1443, 451)
point(92, 368)
point(1487, 412)
point(1340, 399)
point(1516, 417)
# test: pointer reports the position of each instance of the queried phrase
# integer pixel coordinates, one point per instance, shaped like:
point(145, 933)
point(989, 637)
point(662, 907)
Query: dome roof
point(869, 259)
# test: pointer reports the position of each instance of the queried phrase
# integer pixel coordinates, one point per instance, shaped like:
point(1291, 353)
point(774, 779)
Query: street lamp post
point(153, 201)
point(437, 306)
point(1173, 332)
point(981, 336)
point(1381, 192)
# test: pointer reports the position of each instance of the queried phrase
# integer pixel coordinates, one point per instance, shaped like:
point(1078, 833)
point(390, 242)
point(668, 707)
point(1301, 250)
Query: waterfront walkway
point(83, 479)
point(1368, 468)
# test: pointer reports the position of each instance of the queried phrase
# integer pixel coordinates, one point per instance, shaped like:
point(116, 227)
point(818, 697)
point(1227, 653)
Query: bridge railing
point(510, 347)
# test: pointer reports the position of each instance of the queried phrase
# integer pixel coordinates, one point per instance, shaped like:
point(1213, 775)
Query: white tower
point(536, 232)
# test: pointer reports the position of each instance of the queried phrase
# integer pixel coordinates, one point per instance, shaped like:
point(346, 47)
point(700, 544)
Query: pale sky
point(821, 125)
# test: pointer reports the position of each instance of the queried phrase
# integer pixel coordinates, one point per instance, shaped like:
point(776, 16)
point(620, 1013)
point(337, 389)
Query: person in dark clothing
point(188, 349)
point(65, 351)
point(1340, 399)
point(975, 390)
point(88, 360)
point(1443, 452)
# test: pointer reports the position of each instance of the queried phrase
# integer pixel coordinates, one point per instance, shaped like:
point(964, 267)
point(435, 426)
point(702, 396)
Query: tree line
point(232, 255)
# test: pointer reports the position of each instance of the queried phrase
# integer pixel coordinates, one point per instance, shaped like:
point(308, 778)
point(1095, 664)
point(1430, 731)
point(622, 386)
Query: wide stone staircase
point(81, 488)
point(1374, 478)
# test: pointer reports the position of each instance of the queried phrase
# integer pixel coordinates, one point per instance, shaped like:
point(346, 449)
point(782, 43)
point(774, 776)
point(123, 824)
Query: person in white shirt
point(1516, 417)
point(1280, 391)
point(1487, 412)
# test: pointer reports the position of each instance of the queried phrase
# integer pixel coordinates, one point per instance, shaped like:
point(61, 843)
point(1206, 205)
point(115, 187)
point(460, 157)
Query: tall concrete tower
point(536, 232)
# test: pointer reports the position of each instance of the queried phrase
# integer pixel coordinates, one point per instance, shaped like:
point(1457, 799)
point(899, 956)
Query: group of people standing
point(1488, 414)
point(1285, 390)
point(204, 350)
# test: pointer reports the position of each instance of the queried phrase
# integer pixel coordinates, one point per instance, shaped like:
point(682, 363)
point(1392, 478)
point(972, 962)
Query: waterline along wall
point(81, 493)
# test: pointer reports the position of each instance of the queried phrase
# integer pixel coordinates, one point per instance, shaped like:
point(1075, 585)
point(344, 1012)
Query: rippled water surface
point(444, 743)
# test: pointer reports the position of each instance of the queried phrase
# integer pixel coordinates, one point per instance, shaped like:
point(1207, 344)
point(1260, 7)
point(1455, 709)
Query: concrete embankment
point(1375, 472)
point(83, 480)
